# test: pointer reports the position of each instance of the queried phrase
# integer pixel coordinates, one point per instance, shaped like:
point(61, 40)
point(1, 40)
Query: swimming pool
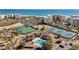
point(39, 42)
point(62, 32)
point(25, 29)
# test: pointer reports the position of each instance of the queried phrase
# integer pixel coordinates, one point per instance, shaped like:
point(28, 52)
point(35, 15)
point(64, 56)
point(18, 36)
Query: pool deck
point(27, 44)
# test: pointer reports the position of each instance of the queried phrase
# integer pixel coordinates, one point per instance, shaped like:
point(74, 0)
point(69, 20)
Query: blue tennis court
point(62, 32)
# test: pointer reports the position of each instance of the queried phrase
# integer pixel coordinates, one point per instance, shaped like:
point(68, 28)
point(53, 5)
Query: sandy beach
point(11, 26)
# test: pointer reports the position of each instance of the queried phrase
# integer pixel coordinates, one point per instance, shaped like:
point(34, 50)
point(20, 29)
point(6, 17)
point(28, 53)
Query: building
point(58, 17)
point(46, 20)
point(17, 16)
point(75, 20)
point(12, 16)
point(52, 19)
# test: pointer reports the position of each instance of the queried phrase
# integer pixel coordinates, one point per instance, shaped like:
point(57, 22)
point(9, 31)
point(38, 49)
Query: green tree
point(48, 45)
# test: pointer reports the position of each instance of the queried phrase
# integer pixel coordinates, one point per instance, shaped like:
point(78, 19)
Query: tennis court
point(62, 32)
point(25, 29)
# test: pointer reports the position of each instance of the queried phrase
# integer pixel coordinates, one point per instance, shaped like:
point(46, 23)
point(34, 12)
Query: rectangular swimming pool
point(62, 32)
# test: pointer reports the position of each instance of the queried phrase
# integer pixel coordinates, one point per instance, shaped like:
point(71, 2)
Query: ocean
point(40, 12)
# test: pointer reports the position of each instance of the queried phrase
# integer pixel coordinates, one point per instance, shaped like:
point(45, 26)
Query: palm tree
point(48, 45)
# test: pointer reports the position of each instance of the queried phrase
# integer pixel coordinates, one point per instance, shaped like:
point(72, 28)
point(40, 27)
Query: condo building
point(12, 16)
point(52, 19)
point(75, 20)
